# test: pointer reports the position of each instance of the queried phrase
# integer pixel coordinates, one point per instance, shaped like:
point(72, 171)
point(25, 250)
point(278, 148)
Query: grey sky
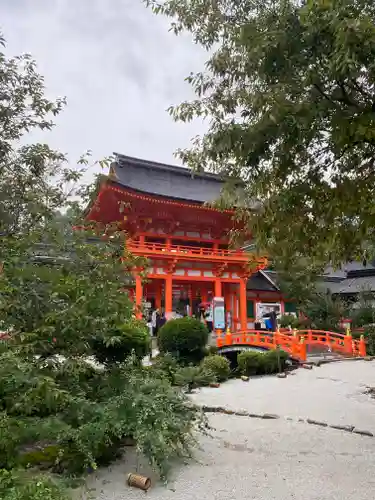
point(119, 68)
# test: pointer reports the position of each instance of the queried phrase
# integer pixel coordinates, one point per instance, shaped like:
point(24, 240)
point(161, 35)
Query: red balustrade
point(295, 342)
point(184, 249)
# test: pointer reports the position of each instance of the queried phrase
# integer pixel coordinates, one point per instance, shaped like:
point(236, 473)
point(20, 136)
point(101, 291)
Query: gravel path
point(333, 393)
point(272, 460)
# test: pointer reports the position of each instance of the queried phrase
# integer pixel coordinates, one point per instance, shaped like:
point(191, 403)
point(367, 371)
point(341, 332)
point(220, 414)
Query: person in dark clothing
point(273, 319)
point(160, 321)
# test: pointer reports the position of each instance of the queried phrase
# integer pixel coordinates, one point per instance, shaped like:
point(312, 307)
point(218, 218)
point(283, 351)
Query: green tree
point(289, 92)
point(35, 180)
point(64, 307)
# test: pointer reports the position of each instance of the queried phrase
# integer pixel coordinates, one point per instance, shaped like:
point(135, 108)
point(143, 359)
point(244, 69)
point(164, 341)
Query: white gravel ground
point(273, 459)
point(333, 393)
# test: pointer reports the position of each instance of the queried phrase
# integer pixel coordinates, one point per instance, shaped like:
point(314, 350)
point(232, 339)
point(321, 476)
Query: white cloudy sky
point(119, 68)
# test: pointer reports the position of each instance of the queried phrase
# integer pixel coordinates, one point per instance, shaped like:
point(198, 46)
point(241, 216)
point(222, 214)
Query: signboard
point(219, 313)
point(263, 308)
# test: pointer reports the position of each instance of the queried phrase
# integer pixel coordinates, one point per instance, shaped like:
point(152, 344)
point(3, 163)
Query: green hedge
point(184, 338)
point(218, 365)
point(257, 363)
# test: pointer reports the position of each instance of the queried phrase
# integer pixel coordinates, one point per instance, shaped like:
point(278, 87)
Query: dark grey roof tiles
point(352, 285)
point(348, 267)
point(166, 180)
point(260, 282)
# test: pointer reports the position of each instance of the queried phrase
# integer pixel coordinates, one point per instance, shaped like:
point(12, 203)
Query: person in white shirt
point(154, 321)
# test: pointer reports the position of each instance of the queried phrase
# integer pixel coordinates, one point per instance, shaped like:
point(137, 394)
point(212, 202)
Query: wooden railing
point(295, 342)
point(184, 249)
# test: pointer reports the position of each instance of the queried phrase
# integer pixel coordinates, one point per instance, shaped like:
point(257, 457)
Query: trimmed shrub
point(273, 361)
point(194, 376)
point(218, 365)
point(257, 363)
point(249, 362)
point(184, 338)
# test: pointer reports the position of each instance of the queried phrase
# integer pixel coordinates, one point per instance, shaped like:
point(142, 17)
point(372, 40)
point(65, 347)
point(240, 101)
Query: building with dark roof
point(350, 281)
point(168, 215)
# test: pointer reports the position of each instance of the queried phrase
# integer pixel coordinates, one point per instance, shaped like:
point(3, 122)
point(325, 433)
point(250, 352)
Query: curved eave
point(111, 185)
point(158, 198)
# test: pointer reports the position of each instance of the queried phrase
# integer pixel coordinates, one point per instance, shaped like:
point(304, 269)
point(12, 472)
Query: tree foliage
point(68, 397)
point(62, 294)
point(289, 92)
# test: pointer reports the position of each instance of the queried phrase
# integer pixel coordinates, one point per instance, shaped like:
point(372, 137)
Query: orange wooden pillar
point(138, 297)
point(228, 305)
point(168, 294)
point(362, 346)
point(158, 295)
point(348, 342)
point(243, 305)
point(190, 295)
point(218, 288)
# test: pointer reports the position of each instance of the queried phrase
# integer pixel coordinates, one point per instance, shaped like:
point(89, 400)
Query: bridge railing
point(338, 342)
point(295, 342)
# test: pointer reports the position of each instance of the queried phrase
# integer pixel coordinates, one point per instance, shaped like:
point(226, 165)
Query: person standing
point(210, 318)
point(273, 320)
point(154, 321)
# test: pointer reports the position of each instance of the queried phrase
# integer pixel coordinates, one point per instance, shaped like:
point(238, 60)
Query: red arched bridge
point(297, 343)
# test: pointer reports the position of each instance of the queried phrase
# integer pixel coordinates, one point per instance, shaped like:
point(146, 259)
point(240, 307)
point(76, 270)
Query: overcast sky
point(119, 68)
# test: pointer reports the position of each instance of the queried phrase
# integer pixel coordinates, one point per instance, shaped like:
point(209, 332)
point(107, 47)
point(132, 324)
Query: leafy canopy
point(63, 308)
point(289, 92)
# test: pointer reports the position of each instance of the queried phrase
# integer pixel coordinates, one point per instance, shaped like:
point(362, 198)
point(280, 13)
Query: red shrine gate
point(185, 241)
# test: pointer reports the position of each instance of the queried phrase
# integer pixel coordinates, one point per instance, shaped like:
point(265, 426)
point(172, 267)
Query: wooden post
point(243, 305)
point(362, 346)
point(348, 342)
point(295, 343)
point(228, 337)
point(228, 304)
point(302, 350)
point(158, 295)
point(168, 294)
point(218, 288)
point(138, 296)
point(190, 295)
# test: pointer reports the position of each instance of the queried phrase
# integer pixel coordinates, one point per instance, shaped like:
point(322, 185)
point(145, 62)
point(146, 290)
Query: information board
point(219, 313)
